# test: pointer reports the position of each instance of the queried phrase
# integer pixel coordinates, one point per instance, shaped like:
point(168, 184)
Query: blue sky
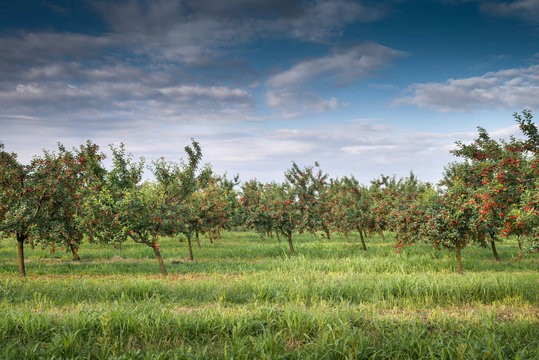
point(362, 87)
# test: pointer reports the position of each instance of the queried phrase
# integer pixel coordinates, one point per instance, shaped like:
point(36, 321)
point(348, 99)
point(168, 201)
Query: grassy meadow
point(246, 299)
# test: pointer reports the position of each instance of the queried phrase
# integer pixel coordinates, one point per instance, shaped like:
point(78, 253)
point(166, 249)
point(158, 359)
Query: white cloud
point(221, 93)
point(301, 102)
point(343, 66)
point(525, 9)
point(123, 98)
point(290, 89)
point(504, 89)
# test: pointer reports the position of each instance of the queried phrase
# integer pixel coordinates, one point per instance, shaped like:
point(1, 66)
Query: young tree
point(123, 208)
point(343, 208)
point(408, 214)
point(310, 187)
point(254, 208)
point(360, 207)
point(181, 186)
point(286, 212)
point(221, 202)
point(452, 220)
point(385, 199)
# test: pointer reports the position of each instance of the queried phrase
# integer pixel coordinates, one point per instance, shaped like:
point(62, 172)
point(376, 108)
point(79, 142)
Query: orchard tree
point(182, 188)
point(221, 202)
point(123, 208)
point(255, 208)
point(452, 220)
point(73, 171)
point(310, 187)
point(343, 208)
point(360, 203)
point(38, 202)
point(286, 212)
point(523, 220)
point(500, 173)
point(385, 198)
point(408, 215)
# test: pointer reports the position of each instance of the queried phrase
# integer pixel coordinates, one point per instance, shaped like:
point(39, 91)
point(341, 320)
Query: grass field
point(246, 299)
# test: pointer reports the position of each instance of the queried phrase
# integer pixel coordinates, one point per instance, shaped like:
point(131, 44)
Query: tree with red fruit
point(39, 201)
point(451, 220)
point(123, 208)
point(285, 212)
point(499, 173)
point(254, 202)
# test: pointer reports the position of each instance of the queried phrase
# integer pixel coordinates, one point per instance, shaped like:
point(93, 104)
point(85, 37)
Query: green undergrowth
point(246, 299)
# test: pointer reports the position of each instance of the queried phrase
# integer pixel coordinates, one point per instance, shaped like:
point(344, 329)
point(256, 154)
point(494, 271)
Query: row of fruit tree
point(65, 197)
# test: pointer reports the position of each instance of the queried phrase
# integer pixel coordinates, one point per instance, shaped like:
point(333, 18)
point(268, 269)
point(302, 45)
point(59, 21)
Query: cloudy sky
point(363, 87)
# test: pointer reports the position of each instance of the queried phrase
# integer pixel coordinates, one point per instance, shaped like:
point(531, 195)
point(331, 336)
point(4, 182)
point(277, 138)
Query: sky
point(363, 87)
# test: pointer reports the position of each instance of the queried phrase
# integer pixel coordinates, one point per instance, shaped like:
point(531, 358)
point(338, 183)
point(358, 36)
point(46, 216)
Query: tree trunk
point(20, 253)
point(160, 261)
point(32, 245)
point(328, 235)
point(493, 245)
point(346, 237)
point(210, 236)
point(459, 261)
point(278, 238)
point(363, 246)
point(190, 247)
point(382, 233)
point(270, 234)
point(198, 240)
point(74, 252)
point(291, 245)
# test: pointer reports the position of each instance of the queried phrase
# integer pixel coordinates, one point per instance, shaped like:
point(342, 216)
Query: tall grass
point(244, 299)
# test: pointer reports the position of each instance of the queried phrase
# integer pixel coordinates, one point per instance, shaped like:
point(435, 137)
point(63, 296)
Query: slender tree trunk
point(20, 253)
point(211, 237)
point(363, 246)
point(382, 233)
point(198, 240)
point(270, 234)
point(493, 246)
point(278, 238)
point(346, 236)
point(291, 245)
point(459, 260)
point(32, 245)
point(74, 251)
point(328, 235)
point(190, 247)
point(160, 260)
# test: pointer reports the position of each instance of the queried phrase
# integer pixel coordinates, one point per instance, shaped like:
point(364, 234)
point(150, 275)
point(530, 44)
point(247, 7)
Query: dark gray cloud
point(140, 64)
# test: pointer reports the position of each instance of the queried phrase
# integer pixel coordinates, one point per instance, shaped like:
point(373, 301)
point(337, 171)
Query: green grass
point(246, 299)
